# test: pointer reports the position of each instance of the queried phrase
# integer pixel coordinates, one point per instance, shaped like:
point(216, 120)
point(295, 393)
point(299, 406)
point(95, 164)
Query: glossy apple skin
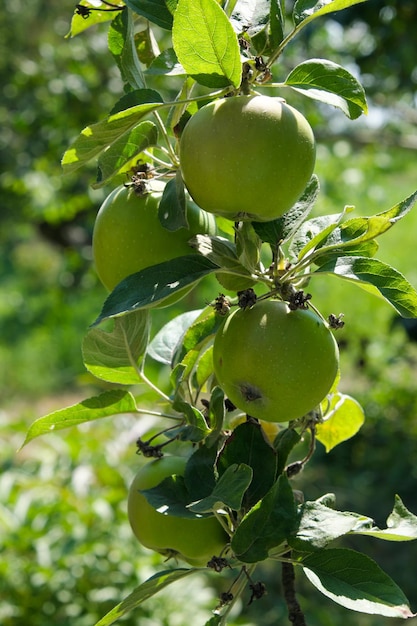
point(247, 157)
point(273, 363)
point(128, 236)
point(195, 541)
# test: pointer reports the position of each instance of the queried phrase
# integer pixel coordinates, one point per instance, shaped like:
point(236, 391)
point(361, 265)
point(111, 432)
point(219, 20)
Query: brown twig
point(295, 614)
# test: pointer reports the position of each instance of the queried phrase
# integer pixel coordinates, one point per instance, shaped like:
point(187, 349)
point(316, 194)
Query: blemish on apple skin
point(250, 393)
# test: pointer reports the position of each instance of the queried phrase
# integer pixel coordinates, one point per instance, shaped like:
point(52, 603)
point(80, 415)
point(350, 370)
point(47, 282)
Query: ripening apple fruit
point(273, 363)
point(247, 157)
point(195, 541)
point(129, 237)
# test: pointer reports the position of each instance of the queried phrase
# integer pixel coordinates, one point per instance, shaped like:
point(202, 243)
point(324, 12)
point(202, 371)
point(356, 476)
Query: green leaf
point(156, 11)
point(201, 330)
point(222, 252)
point(342, 420)
point(378, 278)
point(117, 158)
point(267, 525)
point(314, 232)
point(319, 525)
point(163, 345)
point(79, 24)
point(401, 525)
point(172, 210)
point(280, 230)
point(356, 582)
point(108, 403)
point(216, 415)
point(307, 10)
point(330, 83)
point(276, 24)
point(166, 64)
point(199, 475)
point(115, 356)
point(229, 490)
point(122, 46)
point(146, 590)
point(97, 137)
point(247, 445)
point(206, 44)
point(284, 442)
point(152, 285)
point(171, 497)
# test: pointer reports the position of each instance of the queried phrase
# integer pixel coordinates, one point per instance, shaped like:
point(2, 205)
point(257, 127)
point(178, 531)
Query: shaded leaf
point(247, 444)
point(206, 44)
point(107, 403)
point(199, 475)
point(152, 285)
point(115, 356)
point(280, 230)
point(284, 442)
point(163, 345)
point(378, 278)
point(172, 210)
point(146, 590)
point(342, 420)
point(356, 582)
point(155, 11)
point(166, 64)
point(328, 82)
point(229, 490)
point(267, 525)
point(122, 46)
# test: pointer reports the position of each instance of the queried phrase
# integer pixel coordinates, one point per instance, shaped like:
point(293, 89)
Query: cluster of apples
point(243, 158)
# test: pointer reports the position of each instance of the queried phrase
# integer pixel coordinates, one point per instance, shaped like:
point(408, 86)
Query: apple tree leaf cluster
point(204, 89)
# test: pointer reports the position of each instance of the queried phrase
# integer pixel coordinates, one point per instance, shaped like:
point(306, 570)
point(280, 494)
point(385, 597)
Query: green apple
point(129, 237)
point(274, 363)
point(247, 157)
point(195, 541)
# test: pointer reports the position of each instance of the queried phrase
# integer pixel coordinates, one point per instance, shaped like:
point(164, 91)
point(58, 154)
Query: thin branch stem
point(295, 614)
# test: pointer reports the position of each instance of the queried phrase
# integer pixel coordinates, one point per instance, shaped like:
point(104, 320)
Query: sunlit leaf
point(79, 23)
point(113, 160)
point(401, 525)
point(307, 10)
point(97, 137)
point(378, 278)
point(108, 403)
point(206, 44)
point(342, 420)
point(115, 356)
point(146, 590)
point(330, 83)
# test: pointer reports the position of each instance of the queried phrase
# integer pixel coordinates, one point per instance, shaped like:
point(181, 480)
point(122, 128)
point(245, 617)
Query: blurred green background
point(66, 551)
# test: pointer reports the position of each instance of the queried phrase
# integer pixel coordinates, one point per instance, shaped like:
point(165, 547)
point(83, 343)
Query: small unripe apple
point(195, 541)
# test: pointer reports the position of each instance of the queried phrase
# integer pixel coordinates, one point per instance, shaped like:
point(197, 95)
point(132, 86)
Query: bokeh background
point(66, 551)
